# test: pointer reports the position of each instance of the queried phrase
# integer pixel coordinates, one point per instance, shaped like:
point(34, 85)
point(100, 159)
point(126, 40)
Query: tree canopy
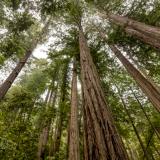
point(95, 94)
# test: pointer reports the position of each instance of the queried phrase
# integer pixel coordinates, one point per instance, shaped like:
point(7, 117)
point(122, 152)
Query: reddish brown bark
point(148, 30)
point(140, 68)
point(9, 81)
point(11, 78)
point(86, 145)
point(147, 39)
point(147, 87)
point(108, 144)
point(146, 33)
point(90, 148)
point(74, 153)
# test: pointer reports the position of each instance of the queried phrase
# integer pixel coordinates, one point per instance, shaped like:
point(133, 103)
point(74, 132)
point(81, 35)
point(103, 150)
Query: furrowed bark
point(145, 38)
point(85, 146)
point(87, 138)
point(146, 33)
point(107, 141)
point(151, 92)
point(91, 150)
point(148, 30)
point(74, 153)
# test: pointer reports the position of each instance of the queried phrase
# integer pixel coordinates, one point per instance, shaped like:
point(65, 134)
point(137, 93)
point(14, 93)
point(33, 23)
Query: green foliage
point(2, 59)
point(52, 7)
point(18, 97)
point(20, 23)
point(74, 12)
point(13, 45)
point(24, 112)
point(14, 4)
point(18, 140)
point(35, 82)
point(107, 5)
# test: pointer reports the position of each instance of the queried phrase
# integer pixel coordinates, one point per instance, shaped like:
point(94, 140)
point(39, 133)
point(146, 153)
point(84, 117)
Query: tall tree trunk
point(57, 137)
point(74, 153)
point(107, 141)
point(53, 104)
point(151, 92)
point(60, 116)
point(140, 68)
point(146, 33)
point(148, 30)
point(132, 123)
point(147, 39)
point(10, 79)
point(89, 148)
point(85, 144)
point(43, 136)
point(147, 117)
point(43, 140)
point(68, 137)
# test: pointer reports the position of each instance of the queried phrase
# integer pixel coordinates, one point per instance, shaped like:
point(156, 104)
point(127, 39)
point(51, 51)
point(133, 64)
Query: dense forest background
point(96, 95)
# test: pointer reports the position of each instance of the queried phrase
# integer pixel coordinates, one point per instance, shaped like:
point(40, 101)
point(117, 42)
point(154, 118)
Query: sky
point(41, 51)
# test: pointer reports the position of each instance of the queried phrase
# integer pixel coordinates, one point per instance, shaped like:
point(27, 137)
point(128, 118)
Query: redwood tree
point(107, 141)
point(146, 33)
point(74, 153)
point(61, 111)
point(11, 78)
point(148, 88)
point(151, 31)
